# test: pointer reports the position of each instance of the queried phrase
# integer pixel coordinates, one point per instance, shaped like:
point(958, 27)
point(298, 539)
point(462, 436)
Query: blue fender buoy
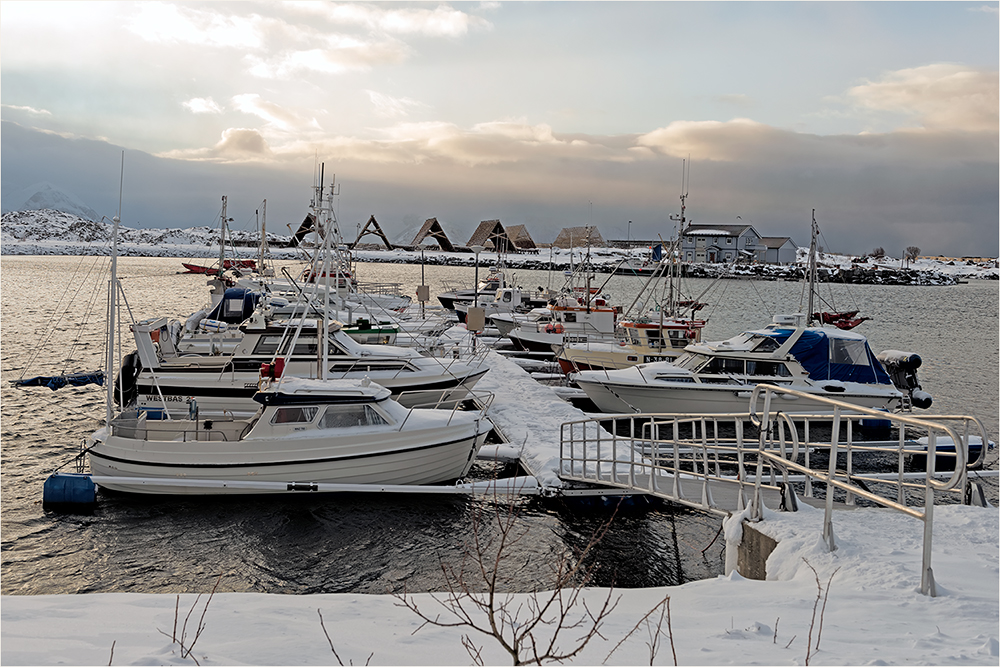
point(63, 488)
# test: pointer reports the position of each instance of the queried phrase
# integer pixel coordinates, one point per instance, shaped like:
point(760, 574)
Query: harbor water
point(373, 543)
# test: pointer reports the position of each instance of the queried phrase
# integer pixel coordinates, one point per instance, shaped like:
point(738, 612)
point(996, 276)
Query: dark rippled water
point(372, 543)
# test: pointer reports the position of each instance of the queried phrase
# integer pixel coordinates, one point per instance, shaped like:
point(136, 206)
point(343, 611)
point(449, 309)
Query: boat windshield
point(690, 360)
point(763, 343)
point(346, 416)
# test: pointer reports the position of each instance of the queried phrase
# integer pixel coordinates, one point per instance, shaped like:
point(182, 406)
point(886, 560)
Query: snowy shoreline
point(56, 233)
point(874, 614)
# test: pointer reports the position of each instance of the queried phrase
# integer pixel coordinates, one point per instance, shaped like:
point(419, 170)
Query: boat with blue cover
point(718, 377)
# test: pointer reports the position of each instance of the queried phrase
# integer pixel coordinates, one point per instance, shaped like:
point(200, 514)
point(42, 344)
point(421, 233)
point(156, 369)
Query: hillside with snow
point(50, 232)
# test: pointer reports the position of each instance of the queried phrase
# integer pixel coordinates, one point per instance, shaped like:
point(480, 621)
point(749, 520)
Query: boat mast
point(685, 179)
point(113, 300)
point(812, 268)
point(222, 239)
point(263, 238)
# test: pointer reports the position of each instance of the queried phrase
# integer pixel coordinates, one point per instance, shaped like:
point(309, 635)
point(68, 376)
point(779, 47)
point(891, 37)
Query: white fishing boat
point(586, 318)
point(719, 377)
point(305, 432)
point(166, 383)
point(506, 322)
point(637, 341)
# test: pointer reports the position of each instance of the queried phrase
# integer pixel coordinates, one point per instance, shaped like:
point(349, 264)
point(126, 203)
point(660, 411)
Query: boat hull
point(696, 398)
point(405, 457)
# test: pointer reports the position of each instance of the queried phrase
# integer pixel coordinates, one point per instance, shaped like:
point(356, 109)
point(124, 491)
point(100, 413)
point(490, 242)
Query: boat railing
point(135, 427)
point(731, 463)
point(454, 401)
point(381, 289)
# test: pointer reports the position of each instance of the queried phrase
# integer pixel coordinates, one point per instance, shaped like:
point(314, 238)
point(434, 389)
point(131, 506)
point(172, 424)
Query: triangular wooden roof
point(491, 234)
point(308, 225)
point(377, 232)
point(521, 238)
point(571, 237)
point(433, 229)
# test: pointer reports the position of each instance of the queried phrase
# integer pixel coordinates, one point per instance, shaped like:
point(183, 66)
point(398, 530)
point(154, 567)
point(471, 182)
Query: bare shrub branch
point(820, 595)
point(186, 649)
point(529, 631)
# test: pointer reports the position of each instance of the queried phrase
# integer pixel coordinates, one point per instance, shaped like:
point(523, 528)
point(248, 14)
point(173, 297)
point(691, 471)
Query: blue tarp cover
point(54, 382)
point(834, 356)
point(236, 306)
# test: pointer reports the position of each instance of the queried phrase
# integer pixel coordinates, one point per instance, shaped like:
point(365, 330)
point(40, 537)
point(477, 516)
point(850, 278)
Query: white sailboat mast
point(113, 301)
point(222, 239)
point(812, 268)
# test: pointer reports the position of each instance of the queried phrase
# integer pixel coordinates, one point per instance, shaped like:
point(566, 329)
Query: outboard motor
point(902, 369)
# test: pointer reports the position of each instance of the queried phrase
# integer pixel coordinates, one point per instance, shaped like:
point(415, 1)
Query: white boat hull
point(405, 457)
point(696, 398)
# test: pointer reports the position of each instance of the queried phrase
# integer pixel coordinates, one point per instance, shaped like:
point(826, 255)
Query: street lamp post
point(630, 233)
point(477, 249)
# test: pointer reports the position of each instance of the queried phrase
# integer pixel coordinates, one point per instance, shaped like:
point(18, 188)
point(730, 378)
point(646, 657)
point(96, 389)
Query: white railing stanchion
point(927, 586)
point(831, 472)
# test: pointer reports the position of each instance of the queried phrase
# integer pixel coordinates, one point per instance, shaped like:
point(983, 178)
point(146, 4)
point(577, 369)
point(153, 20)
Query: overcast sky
point(881, 116)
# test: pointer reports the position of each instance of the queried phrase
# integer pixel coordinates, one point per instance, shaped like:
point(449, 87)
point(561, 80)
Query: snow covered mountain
point(48, 232)
point(45, 196)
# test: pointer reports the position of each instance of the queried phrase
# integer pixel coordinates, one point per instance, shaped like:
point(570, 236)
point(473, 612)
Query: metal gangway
point(725, 464)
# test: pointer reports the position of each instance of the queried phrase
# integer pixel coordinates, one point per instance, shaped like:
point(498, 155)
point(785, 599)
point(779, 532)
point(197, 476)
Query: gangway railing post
point(849, 500)
point(831, 471)
point(678, 493)
point(927, 585)
point(900, 489)
point(809, 481)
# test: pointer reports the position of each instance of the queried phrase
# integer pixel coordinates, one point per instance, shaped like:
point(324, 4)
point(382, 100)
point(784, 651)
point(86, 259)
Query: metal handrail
point(684, 449)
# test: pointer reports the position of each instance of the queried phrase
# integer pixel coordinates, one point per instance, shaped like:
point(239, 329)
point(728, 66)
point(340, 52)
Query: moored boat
point(306, 432)
point(718, 378)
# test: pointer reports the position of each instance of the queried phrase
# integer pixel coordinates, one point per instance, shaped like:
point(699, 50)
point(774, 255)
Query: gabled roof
point(775, 242)
point(433, 229)
point(578, 236)
point(720, 230)
point(491, 234)
point(372, 222)
point(521, 238)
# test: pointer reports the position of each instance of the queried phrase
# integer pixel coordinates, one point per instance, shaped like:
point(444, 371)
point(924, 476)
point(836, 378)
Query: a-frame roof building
point(433, 229)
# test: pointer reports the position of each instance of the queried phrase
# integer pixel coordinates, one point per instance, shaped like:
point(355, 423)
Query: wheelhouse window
point(267, 345)
point(346, 416)
point(766, 344)
point(724, 365)
point(767, 368)
point(654, 340)
point(848, 352)
point(298, 414)
point(689, 360)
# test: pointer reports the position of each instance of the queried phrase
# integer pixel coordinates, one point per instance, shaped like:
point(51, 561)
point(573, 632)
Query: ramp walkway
point(728, 464)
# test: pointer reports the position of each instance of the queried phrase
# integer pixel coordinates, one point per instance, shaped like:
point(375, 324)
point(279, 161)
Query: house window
point(729, 240)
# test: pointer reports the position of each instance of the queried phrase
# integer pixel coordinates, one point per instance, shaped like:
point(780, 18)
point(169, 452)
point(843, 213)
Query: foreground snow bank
point(874, 615)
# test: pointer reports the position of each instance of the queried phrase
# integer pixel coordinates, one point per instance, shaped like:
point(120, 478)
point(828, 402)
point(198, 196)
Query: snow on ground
point(874, 614)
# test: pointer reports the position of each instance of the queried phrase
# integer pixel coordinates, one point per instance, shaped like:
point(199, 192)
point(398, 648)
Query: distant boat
point(227, 264)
